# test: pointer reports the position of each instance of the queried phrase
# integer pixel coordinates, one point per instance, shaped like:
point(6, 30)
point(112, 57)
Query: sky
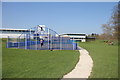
point(62, 17)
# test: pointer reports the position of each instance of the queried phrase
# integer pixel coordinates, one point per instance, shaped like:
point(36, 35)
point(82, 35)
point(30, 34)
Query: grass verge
point(20, 63)
point(105, 58)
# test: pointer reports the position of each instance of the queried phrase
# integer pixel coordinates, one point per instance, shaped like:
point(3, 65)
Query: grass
point(0, 59)
point(105, 58)
point(20, 63)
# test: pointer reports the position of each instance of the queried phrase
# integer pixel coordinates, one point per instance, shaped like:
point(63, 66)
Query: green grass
point(20, 63)
point(105, 58)
point(0, 59)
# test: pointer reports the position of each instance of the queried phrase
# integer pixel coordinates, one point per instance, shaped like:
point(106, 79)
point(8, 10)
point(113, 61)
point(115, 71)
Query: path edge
point(76, 68)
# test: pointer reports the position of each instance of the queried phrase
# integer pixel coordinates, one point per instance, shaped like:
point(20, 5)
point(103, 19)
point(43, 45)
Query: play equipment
point(41, 38)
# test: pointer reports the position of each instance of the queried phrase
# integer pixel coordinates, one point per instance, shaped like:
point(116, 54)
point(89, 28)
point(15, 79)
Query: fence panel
point(38, 38)
point(11, 42)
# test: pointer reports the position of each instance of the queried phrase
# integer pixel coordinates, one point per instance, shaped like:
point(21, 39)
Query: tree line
point(112, 28)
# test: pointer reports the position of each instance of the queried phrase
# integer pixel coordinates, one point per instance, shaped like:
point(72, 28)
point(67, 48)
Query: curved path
point(84, 66)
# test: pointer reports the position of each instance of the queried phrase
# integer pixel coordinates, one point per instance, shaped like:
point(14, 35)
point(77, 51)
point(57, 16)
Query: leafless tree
point(112, 28)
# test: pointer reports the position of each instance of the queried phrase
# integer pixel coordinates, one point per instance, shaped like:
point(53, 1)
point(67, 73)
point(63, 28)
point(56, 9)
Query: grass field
point(105, 58)
point(20, 63)
point(0, 59)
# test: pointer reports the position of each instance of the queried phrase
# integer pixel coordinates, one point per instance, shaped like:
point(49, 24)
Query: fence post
point(30, 39)
point(7, 41)
point(60, 43)
point(51, 42)
point(36, 41)
point(18, 42)
point(25, 37)
point(48, 40)
point(73, 43)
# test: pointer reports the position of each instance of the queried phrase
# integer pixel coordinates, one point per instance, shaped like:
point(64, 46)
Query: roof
point(80, 34)
point(90, 37)
point(11, 29)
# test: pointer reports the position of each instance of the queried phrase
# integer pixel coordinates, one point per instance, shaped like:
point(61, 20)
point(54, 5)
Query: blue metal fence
point(50, 41)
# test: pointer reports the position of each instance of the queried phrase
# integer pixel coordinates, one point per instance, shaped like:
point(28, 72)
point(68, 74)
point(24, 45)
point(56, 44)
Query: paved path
point(83, 68)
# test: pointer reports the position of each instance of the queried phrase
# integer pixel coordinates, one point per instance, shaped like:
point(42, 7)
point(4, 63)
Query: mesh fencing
point(41, 39)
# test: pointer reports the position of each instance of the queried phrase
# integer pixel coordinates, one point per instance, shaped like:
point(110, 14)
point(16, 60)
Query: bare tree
point(112, 28)
point(115, 21)
point(107, 32)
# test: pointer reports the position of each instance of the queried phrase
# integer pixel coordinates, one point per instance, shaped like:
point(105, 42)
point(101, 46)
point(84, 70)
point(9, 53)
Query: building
point(90, 38)
point(76, 36)
point(5, 32)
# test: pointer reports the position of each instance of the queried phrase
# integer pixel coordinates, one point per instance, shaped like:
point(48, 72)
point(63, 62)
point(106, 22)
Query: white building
point(5, 32)
point(76, 36)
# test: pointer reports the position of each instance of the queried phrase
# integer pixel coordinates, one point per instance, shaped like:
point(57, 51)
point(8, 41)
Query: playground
point(24, 55)
point(41, 38)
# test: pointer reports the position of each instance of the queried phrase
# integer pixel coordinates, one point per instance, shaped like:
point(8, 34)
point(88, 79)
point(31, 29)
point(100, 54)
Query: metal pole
point(7, 42)
point(36, 41)
point(48, 40)
point(73, 43)
point(18, 42)
point(51, 41)
point(25, 41)
point(60, 43)
point(30, 39)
